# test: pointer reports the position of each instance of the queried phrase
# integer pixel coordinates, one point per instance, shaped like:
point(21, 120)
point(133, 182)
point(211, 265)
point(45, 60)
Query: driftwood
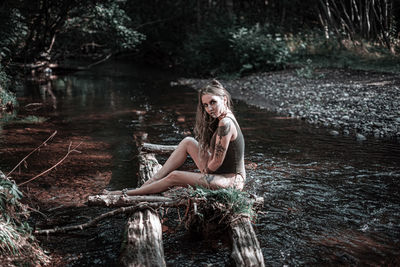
point(143, 236)
point(246, 249)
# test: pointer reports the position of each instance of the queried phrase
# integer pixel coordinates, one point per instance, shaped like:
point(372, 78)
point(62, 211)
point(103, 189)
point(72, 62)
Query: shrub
point(7, 98)
point(16, 239)
point(256, 48)
point(109, 27)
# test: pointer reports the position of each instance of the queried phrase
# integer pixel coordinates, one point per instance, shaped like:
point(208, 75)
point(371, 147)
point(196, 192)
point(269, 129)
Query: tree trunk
point(148, 166)
point(143, 244)
point(143, 235)
point(245, 246)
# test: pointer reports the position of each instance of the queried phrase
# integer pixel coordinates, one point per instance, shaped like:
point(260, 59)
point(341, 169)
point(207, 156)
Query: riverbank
point(362, 104)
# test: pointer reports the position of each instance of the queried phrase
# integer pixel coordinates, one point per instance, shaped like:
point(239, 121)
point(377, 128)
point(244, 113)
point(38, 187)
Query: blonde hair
point(205, 124)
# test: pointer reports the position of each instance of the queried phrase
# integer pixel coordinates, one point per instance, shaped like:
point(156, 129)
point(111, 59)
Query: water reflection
point(328, 200)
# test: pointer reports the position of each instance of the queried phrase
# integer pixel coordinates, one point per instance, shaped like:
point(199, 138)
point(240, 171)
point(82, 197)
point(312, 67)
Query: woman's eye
point(212, 102)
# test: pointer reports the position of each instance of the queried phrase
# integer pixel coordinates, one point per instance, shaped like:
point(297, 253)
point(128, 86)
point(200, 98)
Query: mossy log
point(246, 249)
point(142, 245)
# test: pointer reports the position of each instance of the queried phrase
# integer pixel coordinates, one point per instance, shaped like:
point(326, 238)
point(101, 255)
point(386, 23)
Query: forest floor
point(362, 104)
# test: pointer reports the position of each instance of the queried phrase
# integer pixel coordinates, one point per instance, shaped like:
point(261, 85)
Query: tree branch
point(23, 160)
point(58, 163)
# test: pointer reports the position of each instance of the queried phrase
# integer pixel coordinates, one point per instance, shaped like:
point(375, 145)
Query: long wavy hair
point(205, 124)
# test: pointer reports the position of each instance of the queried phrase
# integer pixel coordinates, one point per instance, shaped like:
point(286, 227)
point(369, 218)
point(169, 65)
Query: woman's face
point(213, 104)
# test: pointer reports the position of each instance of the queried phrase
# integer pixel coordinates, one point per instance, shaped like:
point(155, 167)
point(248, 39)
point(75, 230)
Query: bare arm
point(225, 132)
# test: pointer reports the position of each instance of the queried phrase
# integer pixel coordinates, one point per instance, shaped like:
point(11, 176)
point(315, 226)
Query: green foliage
point(312, 49)
point(6, 97)
point(12, 30)
point(105, 26)
point(15, 233)
point(255, 48)
point(223, 49)
point(9, 221)
point(236, 200)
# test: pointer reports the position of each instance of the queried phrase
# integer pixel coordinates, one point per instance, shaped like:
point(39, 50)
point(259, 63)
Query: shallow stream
point(329, 200)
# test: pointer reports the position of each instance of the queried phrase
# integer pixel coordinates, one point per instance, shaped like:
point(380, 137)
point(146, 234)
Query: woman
point(218, 153)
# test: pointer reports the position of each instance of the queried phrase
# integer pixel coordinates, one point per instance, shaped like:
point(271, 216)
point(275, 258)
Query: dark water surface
point(328, 200)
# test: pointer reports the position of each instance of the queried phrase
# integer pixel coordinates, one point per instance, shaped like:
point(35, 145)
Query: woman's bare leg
point(184, 178)
point(174, 178)
point(188, 146)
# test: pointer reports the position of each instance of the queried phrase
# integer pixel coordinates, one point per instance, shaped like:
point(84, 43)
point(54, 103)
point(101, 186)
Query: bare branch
point(23, 160)
point(58, 163)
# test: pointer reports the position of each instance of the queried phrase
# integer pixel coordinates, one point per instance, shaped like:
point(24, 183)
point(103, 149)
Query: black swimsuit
point(234, 158)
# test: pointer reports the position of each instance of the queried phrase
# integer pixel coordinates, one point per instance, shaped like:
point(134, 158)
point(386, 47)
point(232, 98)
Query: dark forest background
point(204, 38)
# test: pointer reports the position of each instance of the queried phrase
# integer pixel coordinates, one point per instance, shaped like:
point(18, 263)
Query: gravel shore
point(347, 102)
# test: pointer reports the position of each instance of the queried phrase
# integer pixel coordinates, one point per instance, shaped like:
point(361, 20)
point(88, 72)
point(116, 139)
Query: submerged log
point(142, 245)
point(246, 249)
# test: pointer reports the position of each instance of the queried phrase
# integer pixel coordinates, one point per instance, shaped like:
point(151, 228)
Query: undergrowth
point(17, 244)
point(215, 210)
point(237, 201)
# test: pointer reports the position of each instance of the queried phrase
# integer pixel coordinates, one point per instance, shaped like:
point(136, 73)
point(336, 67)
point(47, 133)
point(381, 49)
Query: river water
point(329, 200)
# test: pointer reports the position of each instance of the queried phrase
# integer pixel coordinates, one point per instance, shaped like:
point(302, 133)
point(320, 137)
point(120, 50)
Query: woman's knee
point(188, 141)
point(173, 178)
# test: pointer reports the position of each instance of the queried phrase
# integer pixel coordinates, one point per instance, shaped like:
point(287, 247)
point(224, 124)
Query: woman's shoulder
point(227, 120)
point(225, 126)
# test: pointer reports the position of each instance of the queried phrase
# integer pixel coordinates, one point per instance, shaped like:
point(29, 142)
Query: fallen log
point(142, 245)
point(246, 249)
point(159, 149)
point(122, 200)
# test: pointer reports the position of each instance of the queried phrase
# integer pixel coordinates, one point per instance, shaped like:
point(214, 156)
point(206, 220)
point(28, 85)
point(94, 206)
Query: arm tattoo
point(223, 130)
point(219, 150)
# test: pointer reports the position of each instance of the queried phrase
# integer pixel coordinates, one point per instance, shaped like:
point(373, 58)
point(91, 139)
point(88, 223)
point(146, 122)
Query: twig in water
point(23, 160)
point(58, 163)
point(35, 210)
